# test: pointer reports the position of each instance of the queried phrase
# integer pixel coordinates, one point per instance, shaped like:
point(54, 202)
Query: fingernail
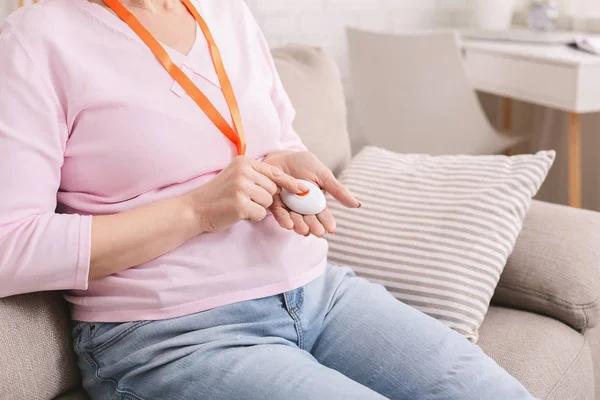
point(303, 188)
point(277, 172)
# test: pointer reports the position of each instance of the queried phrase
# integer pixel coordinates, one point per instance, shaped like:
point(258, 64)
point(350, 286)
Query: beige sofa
point(540, 326)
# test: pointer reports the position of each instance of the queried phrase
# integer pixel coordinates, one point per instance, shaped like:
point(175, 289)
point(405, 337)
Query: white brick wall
point(322, 22)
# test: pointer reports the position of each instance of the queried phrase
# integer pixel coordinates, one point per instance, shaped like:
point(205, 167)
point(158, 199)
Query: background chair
point(412, 95)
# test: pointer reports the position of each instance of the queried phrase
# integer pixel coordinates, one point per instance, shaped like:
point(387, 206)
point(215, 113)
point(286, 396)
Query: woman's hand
point(305, 165)
point(244, 190)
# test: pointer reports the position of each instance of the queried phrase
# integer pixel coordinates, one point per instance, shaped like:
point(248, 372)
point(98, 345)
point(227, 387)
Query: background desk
point(554, 76)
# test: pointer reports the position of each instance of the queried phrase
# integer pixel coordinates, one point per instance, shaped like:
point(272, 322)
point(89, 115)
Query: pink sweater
point(91, 124)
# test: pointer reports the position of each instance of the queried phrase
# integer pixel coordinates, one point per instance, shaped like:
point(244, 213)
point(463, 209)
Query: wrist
point(191, 215)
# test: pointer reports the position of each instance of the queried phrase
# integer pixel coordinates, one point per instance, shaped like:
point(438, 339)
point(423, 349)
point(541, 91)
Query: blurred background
point(323, 23)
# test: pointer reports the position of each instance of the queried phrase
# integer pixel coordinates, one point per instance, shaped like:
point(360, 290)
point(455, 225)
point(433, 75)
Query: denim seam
point(76, 334)
point(292, 310)
point(298, 325)
point(120, 336)
point(125, 394)
point(301, 301)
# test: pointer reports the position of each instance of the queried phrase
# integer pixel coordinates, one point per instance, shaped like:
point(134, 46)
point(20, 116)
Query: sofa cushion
point(551, 359)
point(79, 395)
point(593, 337)
point(436, 231)
point(555, 267)
point(312, 81)
point(36, 358)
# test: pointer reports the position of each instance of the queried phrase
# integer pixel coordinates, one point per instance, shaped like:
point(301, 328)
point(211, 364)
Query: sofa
point(541, 326)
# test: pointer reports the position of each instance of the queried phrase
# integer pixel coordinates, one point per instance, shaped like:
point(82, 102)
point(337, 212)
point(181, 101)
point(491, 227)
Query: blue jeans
point(339, 337)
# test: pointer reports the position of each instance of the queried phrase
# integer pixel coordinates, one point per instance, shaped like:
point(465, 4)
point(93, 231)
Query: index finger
point(339, 192)
point(280, 178)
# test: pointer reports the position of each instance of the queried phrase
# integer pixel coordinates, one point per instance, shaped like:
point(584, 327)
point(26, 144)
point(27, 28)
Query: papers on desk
point(588, 43)
point(577, 40)
point(521, 35)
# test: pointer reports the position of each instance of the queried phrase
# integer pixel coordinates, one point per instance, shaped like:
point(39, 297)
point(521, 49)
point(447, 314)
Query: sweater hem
point(81, 313)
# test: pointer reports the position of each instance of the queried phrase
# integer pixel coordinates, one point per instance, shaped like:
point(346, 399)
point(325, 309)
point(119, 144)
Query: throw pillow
point(312, 81)
point(436, 230)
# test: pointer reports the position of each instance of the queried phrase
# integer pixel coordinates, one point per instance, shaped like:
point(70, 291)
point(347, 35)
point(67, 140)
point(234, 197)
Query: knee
point(471, 375)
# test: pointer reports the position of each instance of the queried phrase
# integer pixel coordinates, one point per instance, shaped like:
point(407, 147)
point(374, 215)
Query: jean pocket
point(95, 337)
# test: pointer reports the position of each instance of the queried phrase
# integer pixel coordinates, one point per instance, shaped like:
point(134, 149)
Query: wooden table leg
point(574, 160)
point(507, 114)
point(507, 120)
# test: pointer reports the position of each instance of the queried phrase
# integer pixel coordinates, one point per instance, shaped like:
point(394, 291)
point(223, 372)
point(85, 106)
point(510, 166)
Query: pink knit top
point(92, 124)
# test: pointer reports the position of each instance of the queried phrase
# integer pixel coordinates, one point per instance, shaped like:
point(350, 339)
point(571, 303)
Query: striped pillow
point(436, 230)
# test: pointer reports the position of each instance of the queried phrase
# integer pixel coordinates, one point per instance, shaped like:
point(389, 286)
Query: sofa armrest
point(555, 267)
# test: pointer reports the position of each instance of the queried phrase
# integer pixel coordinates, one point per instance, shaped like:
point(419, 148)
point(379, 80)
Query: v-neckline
point(113, 21)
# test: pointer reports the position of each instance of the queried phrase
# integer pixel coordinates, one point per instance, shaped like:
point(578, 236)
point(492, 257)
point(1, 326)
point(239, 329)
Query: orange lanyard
point(235, 134)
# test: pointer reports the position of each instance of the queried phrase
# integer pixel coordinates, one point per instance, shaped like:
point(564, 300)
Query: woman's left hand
point(305, 165)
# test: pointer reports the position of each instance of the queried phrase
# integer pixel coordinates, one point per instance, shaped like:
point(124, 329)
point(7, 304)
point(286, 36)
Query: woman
point(188, 277)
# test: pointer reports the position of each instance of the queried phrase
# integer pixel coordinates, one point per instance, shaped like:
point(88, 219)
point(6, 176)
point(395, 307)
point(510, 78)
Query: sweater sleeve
point(39, 249)
point(289, 138)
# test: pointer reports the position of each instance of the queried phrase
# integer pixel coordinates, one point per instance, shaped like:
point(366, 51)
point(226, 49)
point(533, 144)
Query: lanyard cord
point(235, 134)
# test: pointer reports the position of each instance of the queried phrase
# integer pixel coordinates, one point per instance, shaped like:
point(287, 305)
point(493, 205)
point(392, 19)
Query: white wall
point(5, 7)
point(584, 8)
point(322, 22)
